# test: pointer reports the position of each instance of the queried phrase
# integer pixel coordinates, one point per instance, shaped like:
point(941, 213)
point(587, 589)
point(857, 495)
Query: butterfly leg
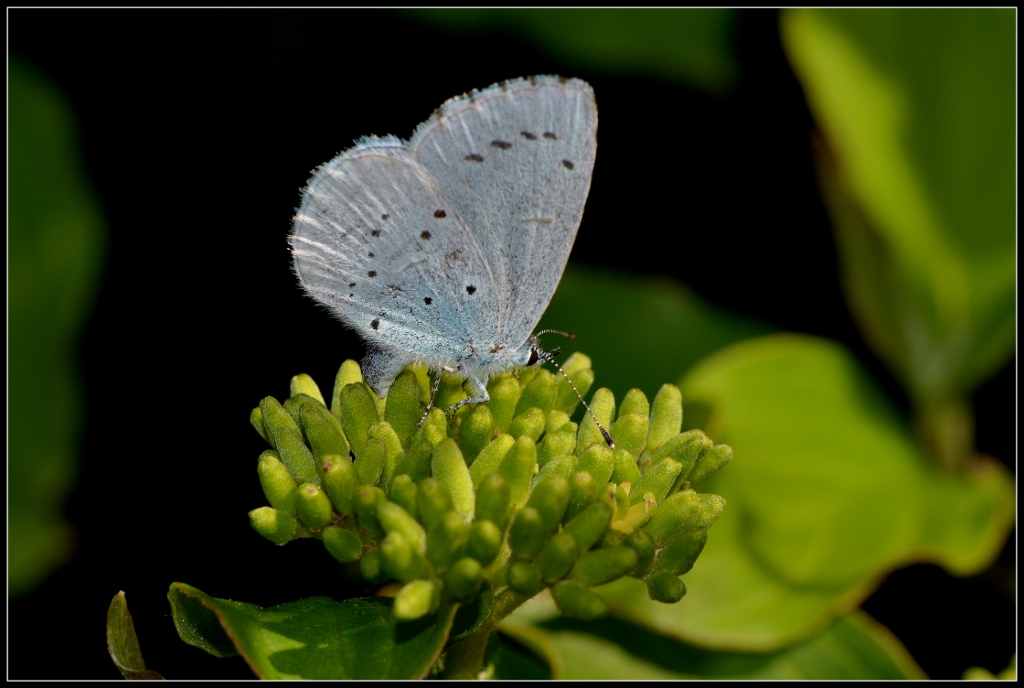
point(481, 397)
point(430, 402)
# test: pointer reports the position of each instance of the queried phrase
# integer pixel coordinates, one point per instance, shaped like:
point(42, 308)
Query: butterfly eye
point(534, 356)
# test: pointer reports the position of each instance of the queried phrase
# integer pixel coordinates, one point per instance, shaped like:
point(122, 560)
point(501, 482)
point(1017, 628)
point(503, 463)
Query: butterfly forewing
point(516, 161)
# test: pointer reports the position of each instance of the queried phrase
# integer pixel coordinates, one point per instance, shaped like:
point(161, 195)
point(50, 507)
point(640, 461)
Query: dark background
point(198, 130)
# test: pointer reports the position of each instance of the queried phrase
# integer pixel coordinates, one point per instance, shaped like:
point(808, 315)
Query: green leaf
point(55, 244)
point(655, 319)
point(694, 46)
point(918, 112)
point(123, 644)
point(826, 495)
point(854, 647)
point(314, 638)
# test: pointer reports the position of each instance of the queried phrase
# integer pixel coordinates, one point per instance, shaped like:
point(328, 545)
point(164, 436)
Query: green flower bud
point(577, 601)
point(666, 417)
point(599, 462)
point(639, 513)
point(483, 542)
point(538, 393)
point(645, 547)
point(679, 554)
point(292, 405)
point(621, 497)
point(557, 556)
point(444, 539)
point(358, 412)
point(564, 466)
point(340, 482)
point(635, 401)
point(561, 442)
point(403, 410)
point(415, 463)
point(529, 423)
point(464, 578)
point(323, 431)
point(286, 437)
point(450, 391)
point(278, 484)
point(555, 419)
point(710, 463)
point(450, 469)
point(685, 448)
point(604, 565)
point(662, 586)
point(370, 461)
point(371, 567)
point(517, 468)
point(348, 374)
point(392, 449)
point(565, 398)
point(399, 557)
point(432, 501)
point(626, 470)
point(603, 406)
point(342, 544)
point(711, 507)
point(313, 506)
point(434, 429)
point(415, 600)
point(475, 432)
point(630, 432)
point(550, 497)
point(590, 525)
point(368, 498)
point(395, 519)
point(277, 526)
point(525, 578)
point(583, 491)
point(304, 384)
point(402, 492)
point(256, 419)
point(490, 458)
point(493, 500)
point(658, 479)
point(504, 393)
point(527, 534)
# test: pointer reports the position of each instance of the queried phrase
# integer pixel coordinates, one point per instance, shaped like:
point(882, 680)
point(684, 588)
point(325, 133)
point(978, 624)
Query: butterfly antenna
point(567, 335)
point(549, 359)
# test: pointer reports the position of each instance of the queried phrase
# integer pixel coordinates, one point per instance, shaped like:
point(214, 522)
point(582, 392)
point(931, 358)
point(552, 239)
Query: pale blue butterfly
point(447, 249)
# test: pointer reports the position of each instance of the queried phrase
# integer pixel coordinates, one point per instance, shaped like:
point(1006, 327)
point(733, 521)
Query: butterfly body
point(447, 249)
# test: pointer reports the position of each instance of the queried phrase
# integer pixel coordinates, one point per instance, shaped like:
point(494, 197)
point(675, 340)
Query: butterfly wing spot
point(351, 284)
point(440, 214)
point(427, 300)
point(424, 235)
point(375, 323)
point(568, 164)
point(370, 255)
point(528, 136)
point(470, 290)
point(473, 157)
point(376, 232)
point(503, 145)
point(550, 135)
point(372, 273)
point(383, 217)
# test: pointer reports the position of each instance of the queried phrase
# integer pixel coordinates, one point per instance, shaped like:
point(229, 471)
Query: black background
point(199, 128)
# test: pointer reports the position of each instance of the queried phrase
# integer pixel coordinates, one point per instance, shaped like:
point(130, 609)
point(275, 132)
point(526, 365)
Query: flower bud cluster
point(511, 492)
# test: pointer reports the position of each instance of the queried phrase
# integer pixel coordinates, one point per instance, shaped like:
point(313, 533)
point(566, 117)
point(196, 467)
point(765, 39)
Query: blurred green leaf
point(918, 112)
point(55, 243)
point(694, 46)
point(314, 638)
point(853, 647)
point(827, 493)
point(123, 644)
point(640, 331)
